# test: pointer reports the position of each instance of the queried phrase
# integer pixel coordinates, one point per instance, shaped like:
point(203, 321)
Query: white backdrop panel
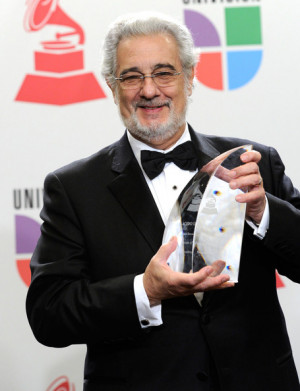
point(38, 138)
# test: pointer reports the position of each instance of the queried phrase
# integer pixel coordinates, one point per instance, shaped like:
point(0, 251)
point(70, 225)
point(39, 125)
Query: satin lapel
point(133, 193)
point(206, 151)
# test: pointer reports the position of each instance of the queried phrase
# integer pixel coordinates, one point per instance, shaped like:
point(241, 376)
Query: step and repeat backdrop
point(56, 108)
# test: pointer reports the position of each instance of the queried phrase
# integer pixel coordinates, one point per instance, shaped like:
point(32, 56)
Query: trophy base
point(60, 90)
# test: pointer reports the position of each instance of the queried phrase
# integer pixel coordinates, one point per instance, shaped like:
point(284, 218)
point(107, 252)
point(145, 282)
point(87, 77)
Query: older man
point(99, 273)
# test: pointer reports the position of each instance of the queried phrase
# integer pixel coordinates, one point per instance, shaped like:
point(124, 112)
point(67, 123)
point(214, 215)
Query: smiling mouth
point(152, 106)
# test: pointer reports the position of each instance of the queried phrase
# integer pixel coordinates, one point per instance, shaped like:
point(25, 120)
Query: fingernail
point(209, 270)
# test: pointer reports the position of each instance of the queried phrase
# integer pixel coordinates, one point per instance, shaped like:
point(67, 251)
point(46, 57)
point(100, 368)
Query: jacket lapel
point(206, 151)
point(133, 193)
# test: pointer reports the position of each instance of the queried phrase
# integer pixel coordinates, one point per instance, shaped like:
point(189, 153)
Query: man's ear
point(113, 90)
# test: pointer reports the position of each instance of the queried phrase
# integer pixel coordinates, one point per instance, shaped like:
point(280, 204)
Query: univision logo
point(27, 234)
point(231, 59)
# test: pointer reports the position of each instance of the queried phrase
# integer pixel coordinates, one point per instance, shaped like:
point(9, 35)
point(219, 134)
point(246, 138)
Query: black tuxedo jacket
point(101, 228)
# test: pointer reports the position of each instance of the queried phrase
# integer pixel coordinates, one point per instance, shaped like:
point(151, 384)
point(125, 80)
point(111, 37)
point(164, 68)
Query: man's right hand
point(161, 282)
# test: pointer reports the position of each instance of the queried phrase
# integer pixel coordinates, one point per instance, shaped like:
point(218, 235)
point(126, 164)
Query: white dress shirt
point(165, 189)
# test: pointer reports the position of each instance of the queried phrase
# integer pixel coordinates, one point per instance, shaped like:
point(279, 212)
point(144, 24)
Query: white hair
point(146, 23)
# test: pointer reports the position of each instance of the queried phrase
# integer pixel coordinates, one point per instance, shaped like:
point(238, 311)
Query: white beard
point(156, 131)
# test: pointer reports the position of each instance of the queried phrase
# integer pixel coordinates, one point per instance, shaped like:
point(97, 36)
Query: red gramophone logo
point(59, 77)
point(61, 384)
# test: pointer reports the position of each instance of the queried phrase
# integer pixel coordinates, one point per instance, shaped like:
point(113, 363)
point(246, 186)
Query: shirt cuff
point(261, 229)
point(148, 316)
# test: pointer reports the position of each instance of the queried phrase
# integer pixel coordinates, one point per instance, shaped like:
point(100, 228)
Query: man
point(100, 275)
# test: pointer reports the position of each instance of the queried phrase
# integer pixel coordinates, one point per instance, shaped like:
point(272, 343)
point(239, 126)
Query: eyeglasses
point(132, 81)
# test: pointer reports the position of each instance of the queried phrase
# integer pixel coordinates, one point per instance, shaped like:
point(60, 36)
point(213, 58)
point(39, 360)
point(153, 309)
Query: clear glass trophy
point(207, 220)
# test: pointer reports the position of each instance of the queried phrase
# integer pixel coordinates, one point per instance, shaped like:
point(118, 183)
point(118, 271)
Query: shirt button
point(145, 322)
point(174, 187)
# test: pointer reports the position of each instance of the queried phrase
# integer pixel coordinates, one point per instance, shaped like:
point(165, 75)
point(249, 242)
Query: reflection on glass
point(207, 220)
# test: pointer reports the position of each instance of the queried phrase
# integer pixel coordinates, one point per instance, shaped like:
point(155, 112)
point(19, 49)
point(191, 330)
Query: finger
point(251, 156)
point(190, 280)
point(218, 282)
point(183, 284)
point(166, 249)
point(222, 286)
point(254, 196)
point(224, 174)
point(246, 169)
point(218, 267)
point(207, 272)
point(250, 181)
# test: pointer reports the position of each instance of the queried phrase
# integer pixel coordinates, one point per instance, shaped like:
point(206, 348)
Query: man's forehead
point(151, 51)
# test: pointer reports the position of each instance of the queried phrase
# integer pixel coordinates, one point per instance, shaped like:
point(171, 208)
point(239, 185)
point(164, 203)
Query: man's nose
point(149, 88)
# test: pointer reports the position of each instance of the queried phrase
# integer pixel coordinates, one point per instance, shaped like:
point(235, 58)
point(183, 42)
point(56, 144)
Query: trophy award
point(207, 220)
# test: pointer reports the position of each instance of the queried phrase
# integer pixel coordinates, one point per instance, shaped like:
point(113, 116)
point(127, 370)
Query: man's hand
point(248, 175)
point(161, 282)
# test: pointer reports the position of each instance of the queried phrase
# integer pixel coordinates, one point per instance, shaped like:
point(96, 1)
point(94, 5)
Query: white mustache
point(151, 103)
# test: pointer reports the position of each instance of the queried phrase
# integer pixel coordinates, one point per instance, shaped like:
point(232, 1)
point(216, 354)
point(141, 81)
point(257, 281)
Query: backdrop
point(56, 108)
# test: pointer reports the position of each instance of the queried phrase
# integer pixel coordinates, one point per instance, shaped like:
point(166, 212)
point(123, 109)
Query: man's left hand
point(248, 176)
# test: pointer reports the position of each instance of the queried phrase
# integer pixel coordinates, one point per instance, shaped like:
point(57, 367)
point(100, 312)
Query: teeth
point(150, 107)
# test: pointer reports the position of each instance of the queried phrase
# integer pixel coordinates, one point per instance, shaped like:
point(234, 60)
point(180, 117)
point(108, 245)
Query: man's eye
point(130, 78)
point(163, 75)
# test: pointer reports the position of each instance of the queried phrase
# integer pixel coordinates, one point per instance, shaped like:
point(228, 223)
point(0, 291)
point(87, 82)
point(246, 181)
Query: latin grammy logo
point(61, 384)
point(59, 78)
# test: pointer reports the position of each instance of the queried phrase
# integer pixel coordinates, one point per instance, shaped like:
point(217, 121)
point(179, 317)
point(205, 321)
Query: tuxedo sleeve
point(282, 238)
point(64, 305)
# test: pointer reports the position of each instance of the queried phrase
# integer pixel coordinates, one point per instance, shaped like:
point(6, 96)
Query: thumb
point(218, 267)
point(166, 249)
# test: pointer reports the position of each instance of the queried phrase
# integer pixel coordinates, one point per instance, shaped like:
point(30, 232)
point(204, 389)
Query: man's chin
point(154, 131)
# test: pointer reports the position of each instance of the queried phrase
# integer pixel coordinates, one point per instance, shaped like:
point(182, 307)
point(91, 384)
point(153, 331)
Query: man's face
point(155, 115)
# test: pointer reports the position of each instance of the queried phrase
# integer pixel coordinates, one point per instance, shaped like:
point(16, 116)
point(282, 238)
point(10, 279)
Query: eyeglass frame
point(142, 77)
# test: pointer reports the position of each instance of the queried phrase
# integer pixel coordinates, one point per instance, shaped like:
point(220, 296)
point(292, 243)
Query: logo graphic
point(27, 235)
point(61, 384)
point(232, 61)
point(59, 78)
point(279, 282)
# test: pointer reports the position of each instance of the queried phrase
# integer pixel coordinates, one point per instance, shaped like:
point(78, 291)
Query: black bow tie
point(184, 156)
